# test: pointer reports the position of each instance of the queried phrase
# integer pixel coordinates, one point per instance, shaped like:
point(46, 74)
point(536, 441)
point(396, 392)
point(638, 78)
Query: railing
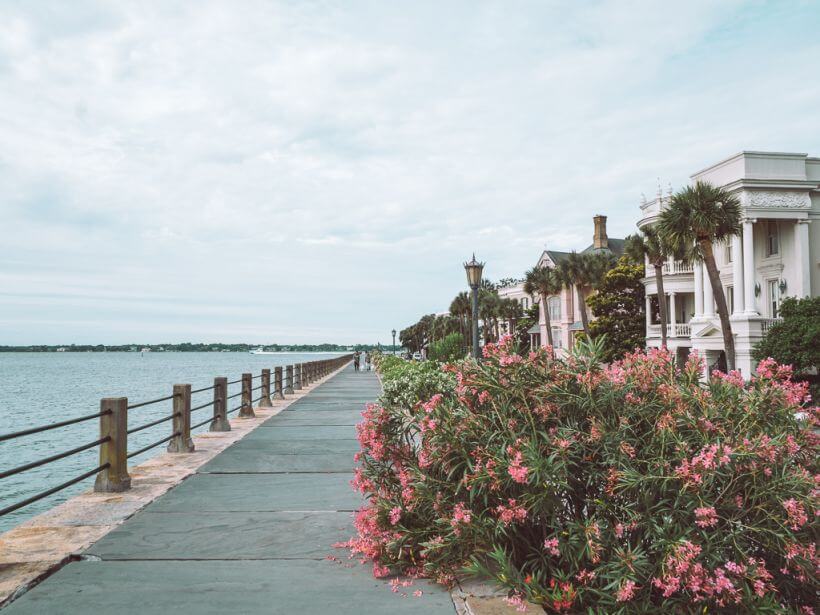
point(112, 471)
point(681, 330)
point(670, 267)
point(768, 323)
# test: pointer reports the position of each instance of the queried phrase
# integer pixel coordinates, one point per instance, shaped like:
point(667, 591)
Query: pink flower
point(517, 601)
point(706, 516)
point(395, 515)
point(551, 545)
point(797, 514)
point(461, 515)
point(626, 591)
point(517, 471)
point(511, 513)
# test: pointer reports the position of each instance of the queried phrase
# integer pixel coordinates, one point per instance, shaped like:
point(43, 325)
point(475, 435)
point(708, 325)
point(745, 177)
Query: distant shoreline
point(277, 348)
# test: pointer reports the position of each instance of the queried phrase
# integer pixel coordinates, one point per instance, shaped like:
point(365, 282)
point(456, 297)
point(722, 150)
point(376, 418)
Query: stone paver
point(250, 532)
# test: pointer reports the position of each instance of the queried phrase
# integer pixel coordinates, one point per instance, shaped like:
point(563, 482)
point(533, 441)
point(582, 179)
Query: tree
point(698, 217)
point(572, 273)
point(460, 308)
point(529, 319)
point(648, 244)
point(449, 348)
point(543, 281)
point(796, 339)
point(511, 311)
point(618, 307)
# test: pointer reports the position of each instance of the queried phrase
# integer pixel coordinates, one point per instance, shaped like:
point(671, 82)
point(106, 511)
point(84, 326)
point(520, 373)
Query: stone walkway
point(249, 532)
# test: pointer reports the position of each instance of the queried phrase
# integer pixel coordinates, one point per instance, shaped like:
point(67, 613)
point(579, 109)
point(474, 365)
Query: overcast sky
point(318, 171)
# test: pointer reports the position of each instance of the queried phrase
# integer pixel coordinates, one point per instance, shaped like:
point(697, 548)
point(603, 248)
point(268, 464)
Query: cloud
point(319, 170)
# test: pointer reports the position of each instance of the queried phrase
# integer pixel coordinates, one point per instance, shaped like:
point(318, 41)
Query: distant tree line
point(195, 347)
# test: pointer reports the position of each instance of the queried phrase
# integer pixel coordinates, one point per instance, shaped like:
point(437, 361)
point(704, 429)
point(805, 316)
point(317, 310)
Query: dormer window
point(772, 239)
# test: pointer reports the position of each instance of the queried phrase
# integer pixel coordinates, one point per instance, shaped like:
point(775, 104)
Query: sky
point(302, 171)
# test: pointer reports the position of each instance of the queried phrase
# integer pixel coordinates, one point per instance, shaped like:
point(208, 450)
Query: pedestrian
point(356, 361)
point(367, 361)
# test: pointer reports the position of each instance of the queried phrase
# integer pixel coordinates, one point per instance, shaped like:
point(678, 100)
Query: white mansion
point(776, 256)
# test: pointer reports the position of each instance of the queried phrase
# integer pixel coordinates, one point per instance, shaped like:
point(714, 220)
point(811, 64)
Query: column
point(673, 317)
point(738, 295)
point(749, 266)
point(698, 273)
point(801, 248)
point(708, 295)
point(648, 313)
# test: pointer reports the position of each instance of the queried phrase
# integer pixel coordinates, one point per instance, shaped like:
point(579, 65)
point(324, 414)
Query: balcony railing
point(670, 267)
point(681, 330)
point(767, 324)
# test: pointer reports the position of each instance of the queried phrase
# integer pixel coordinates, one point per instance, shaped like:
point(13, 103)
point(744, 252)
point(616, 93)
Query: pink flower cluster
point(706, 516)
point(626, 591)
point(516, 469)
point(797, 514)
point(709, 458)
point(462, 515)
point(551, 545)
point(511, 513)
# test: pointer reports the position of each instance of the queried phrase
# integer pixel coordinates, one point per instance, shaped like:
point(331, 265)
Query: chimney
point(599, 240)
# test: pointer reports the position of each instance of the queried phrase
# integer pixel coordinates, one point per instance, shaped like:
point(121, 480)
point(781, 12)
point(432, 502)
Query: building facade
point(775, 256)
point(565, 314)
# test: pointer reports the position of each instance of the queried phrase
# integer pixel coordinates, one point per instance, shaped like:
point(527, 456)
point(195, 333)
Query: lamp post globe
point(394, 340)
point(474, 270)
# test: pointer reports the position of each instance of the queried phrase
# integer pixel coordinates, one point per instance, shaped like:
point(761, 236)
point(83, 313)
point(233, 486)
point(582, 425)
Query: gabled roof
point(616, 246)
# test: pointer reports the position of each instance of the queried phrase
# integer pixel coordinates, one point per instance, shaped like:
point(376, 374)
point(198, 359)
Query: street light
point(394, 340)
point(474, 269)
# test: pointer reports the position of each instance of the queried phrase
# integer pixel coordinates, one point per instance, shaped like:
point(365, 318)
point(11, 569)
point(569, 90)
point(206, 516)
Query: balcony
point(767, 323)
point(671, 267)
point(680, 330)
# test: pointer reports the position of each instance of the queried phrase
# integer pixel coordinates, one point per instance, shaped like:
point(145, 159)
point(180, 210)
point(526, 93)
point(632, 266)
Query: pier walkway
point(249, 532)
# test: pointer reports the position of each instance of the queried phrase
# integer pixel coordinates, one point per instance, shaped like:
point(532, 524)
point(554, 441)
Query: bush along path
point(631, 488)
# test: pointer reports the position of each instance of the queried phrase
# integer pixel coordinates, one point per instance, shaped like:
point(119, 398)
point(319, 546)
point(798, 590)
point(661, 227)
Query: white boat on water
point(261, 350)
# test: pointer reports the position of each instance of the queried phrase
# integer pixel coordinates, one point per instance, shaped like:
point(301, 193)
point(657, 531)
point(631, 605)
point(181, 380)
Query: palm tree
point(460, 308)
point(650, 245)
point(511, 311)
point(543, 281)
point(573, 274)
point(698, 217)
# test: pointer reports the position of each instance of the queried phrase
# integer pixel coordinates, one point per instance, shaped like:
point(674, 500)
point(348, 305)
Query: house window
point(774, 297)
point(729, 252)
point(526, 303)
point(730, 298)
point(554, 304)
point(556, 337)
point(772, 240)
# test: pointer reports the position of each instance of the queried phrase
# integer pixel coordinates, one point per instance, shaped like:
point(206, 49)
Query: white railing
point(670, 268)
point(681, 330)
point(767, 323)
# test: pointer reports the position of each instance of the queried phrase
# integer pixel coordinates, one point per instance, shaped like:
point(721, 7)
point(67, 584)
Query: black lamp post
point(394, 340)
point(474, 269)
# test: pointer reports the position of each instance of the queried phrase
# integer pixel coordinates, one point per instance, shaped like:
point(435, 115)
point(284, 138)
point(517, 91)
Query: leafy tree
point(650, 244)
point(697, 218)
point(618, 307)
point(449, 348)
point(522, 336)
point(796, 339)
point(543, 281)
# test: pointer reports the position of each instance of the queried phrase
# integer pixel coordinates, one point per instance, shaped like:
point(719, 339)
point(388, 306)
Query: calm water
point(41, 388)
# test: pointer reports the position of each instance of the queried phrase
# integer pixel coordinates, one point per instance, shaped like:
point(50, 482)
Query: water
point(41, 388)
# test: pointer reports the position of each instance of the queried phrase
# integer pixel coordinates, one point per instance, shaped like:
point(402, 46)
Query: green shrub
point(450, 348)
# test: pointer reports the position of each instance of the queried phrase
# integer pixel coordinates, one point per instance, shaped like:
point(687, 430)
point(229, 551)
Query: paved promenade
point(249, 532)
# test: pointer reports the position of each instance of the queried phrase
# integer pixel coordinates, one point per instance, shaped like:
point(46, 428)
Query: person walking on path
point(367, 361)
point(356, 361)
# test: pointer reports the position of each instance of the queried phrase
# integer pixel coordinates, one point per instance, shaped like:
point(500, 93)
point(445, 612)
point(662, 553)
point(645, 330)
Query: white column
point(749, 266)
point(648, 313)
point(708, 295)
point(673, 317)
point(801, 246)
point(698, 273)
point(737, 275)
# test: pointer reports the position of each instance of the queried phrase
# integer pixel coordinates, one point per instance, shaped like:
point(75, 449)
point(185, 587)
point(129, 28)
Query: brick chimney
point(599, 240)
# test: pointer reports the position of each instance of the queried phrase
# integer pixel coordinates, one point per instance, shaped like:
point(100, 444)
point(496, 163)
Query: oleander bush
point(627, 489)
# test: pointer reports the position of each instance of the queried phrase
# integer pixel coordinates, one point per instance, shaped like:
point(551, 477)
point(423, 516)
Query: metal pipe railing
point(112, 471)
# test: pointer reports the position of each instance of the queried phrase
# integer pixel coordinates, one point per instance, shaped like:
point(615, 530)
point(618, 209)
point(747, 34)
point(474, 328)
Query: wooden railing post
point(114, 452)
point(247, 396)
point(306, 373)
point(298, 376)
point(289, 380)
point(220, 422)
point(181, 423)
point(278, 393)
point(265, 402)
